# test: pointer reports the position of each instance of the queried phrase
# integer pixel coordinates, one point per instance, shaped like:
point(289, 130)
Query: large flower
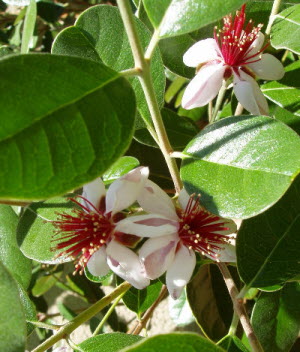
point(92, 235)
point(176, 234)
point(235, 50)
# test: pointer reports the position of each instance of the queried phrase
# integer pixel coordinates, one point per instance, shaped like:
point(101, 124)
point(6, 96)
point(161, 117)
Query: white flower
point(175, 235)
point(236, 51)
point(92, 234)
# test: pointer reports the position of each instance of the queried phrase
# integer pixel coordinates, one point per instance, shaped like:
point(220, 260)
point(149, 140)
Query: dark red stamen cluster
point(80, 235)
point(200, 230)
point(234, 40)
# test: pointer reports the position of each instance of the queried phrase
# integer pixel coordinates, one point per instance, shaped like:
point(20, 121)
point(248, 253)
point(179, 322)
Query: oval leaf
point(10, 254)
point(121, 167)
point(241, 165)
point(52, 127)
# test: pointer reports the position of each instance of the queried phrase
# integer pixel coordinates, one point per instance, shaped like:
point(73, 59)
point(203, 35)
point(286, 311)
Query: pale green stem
point(147, 85)
point(107, 315)
point(130, 72)
point(219, 101)
point(152, 45)
point(240, 309)
point(28, 28)
point(234, 324)
point(42, 325)
point(239, 110)
point(274, 12)
point(81, 318)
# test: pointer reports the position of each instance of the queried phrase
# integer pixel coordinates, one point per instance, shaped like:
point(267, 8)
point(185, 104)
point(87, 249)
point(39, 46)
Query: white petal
point(154, 200)
point(249, 95)
point(183, 198)
point(126, 264)
point(180, 272)
point(124, 191)
point(93, 192)
point(202, 51)
point(204, 87)
point(97, 263)
point(268, 67)
point(256, 45)
point(158, 254)
point(149, 225)
point(227, 252)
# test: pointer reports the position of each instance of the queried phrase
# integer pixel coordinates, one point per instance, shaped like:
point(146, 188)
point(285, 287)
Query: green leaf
point(286, 93)
point(44, 284)
point(52, 127)
point(29, 309)
point(175, 17)
point(113, 342)
point(276, 318)
point(232, 344)
point(210, 302)
point(49, 11)
point(96, 278)
point(140, 300)
point(121, 167)
point(179, 342)
point(29, 25)
point(180, 311)
point(10, 254)
point(12, 319)
point(180, 130)
point(285, 30)
point(100, 25)
point(288, 118)
point(268, 247)
point(35, 231)
point(255, 154)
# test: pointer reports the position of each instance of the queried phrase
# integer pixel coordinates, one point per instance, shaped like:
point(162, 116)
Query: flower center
point(200, 230)
point(234, 41)
point(83, 233)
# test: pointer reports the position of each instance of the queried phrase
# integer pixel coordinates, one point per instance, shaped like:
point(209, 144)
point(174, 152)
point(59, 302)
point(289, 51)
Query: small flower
point(92, 235)
point(176, 234)
point(235, 50)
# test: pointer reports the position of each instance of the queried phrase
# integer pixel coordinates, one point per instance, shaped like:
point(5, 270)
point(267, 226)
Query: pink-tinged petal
point(183, 198)
point(97, 265)
point(268, 67)
point(158, 254)
point(202, 51)
point(256, 45)
point(249, 95)
point(93, 192)
point(126, 264)
point(124, 191)
point(154, 200)
point(150, 225)
point(204, 87)
point(180, 271)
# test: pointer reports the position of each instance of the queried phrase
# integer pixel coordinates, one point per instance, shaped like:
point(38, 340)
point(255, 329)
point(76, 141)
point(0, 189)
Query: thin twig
point(239, 110)
point(274, 12)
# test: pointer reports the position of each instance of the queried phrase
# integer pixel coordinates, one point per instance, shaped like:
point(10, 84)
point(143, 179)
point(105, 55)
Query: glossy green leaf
point(10, 254)
point(12, 319)
point(180, 130)
point(175, 17)
point(288, 118)
point(52, 127)
point(210, 302)
point(276, 318)
point(113, 342)
point(268, 247)
point(286, 92)
point(285, 31)
point(28, 28)
point(44, 284)
point(179, 342)
point(121, 167)
point(241, 165)
point(94, 29)
point(140, 300)
point(180, 311)
point(232, 344)
point(35, 233)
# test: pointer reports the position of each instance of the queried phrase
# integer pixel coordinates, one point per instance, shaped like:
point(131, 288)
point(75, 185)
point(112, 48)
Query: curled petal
point(204, 87)
point(249, 95)
point(124, 191)
point(93, 192)
point(256, 45)
point(126, 264)
point(154, 200)
point(150, 225)
point(180, 271)
point(228, 254)
point(97, 265)
point(202, 51)
point(268, 67)
point(158, 254)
